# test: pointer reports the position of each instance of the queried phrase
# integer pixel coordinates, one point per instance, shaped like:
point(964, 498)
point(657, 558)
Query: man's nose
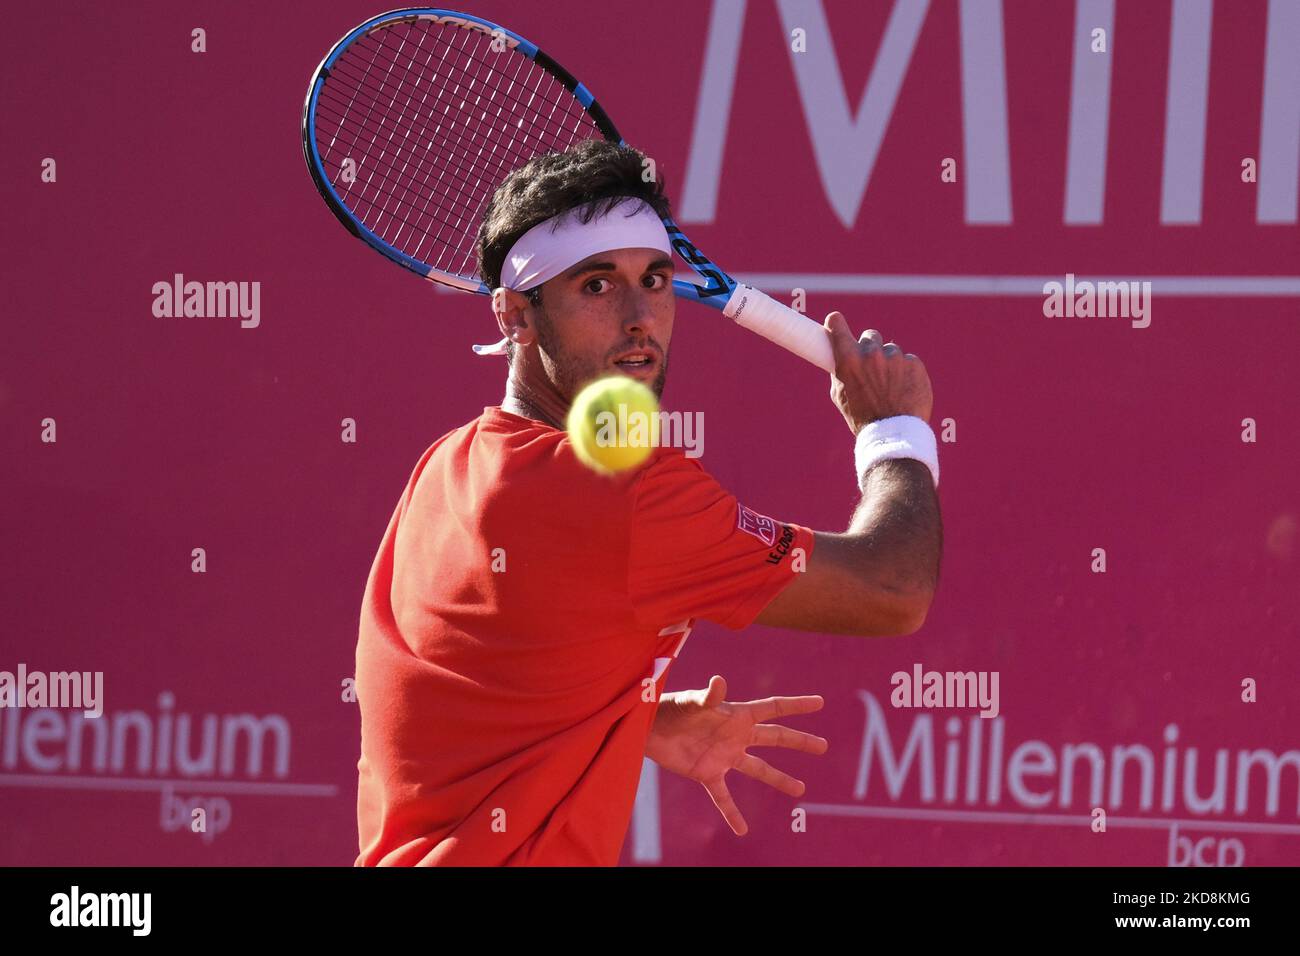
point(638, 309)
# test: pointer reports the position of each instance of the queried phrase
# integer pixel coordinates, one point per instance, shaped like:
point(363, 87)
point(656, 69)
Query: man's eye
point(656, 281)
point(594, 282)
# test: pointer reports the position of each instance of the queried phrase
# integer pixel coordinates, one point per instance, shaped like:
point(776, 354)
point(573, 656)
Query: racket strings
point(439, 186)
point(370, 206)
point(403, 205)
point(471, 186)
point(509, 161)
point(438, 120)
point(403, 174)
point(389, 168)
point(397, 91)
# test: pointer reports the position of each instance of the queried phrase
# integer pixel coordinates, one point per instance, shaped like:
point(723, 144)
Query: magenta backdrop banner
point(1120, 494)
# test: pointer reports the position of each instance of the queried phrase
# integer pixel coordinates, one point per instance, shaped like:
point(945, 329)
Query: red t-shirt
point(517, 627)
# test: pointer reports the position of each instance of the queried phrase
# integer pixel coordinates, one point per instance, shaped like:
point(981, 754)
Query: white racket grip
point(789, 329)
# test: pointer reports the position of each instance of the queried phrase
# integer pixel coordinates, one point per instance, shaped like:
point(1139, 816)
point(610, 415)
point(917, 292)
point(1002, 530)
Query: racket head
point(414, 118)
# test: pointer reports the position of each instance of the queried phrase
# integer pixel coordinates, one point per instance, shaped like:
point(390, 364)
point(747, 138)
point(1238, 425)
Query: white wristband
point(903, 436)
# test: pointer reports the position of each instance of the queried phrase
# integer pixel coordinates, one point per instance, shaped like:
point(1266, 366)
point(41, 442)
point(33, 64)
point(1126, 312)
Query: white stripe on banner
point(646, 843)
point(59, 782)
point(712, 111)
point(846, 141)
point(1183, 177)
point(984, 113)
point(1279, 139)
point(1042, 819)
point(1085, 173)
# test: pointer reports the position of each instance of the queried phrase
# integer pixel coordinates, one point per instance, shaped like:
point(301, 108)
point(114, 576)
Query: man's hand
point(875, 379)
point(697, 735)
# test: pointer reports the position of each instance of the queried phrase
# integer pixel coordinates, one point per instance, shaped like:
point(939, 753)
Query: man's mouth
point(638, 360)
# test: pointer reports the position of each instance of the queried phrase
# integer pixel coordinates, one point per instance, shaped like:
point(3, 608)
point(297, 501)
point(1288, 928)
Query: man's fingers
point(768, 708)
point(774, 735)
point(837, 326)
point(835, 322)
point(717, 691)
point(842, 344)
point(764, 772)
point(721, 797)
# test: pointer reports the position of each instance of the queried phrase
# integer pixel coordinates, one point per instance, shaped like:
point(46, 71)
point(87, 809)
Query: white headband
point(552, 246)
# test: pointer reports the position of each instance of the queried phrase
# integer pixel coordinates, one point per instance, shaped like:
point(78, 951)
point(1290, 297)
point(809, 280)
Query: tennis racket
point(416, 116)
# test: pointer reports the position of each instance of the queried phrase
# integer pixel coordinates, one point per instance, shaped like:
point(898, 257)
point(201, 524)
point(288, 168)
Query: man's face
point(612, 313)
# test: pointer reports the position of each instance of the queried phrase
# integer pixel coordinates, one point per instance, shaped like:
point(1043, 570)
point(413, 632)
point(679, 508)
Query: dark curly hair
point(592, 171)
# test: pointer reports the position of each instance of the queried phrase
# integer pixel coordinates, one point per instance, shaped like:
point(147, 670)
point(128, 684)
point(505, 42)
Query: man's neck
point(520, 400)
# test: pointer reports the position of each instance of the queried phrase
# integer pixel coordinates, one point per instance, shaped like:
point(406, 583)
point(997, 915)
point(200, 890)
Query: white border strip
point(1043, 819)
point(59, 782)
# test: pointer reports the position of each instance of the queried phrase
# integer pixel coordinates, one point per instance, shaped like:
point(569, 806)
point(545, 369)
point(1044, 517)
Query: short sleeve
point(697, 552)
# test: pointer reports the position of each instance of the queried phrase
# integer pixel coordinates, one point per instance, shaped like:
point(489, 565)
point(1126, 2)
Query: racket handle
point(789, 329)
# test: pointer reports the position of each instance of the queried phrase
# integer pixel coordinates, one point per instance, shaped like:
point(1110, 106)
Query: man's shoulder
point(508, 452)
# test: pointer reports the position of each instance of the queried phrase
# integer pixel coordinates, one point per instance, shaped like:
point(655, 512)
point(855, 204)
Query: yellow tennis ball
point(614, 424)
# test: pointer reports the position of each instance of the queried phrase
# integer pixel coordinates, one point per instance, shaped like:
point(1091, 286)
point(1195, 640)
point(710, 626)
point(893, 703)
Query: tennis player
point(523, 612)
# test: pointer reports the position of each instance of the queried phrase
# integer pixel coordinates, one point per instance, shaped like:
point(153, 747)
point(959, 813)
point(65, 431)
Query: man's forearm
point(878, 577)
point(900, 530)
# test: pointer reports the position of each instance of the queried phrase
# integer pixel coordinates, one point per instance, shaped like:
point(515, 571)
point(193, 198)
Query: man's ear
point(511, 311)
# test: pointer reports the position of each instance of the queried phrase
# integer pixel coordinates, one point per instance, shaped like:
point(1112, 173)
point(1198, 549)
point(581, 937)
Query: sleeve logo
point(760, 526)
point(782, 546)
